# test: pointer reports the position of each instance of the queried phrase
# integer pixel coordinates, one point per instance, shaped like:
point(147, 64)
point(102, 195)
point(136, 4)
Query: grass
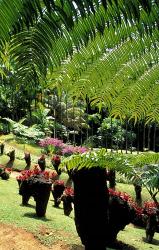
point(56, 226)
point(11, 141)
point(19, 164)
point(128, 188)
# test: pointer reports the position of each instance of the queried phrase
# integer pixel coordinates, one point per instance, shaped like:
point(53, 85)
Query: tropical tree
point(106, 51)
point(60, 28)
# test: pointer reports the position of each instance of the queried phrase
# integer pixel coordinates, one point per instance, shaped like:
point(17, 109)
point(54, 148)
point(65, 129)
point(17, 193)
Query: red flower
point(46, 174)
point(150, 207)
point(69, 191)
point(126, 197)
point(53, 175)
point(9, 170)
point(59, 182)
point(26, 174)
point(56, 159)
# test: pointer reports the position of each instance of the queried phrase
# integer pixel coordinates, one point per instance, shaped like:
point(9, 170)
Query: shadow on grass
point(34, 216)
point(116, 245)
point(121, 245)
point(76, 247)
point(154, 242)
point(28, 205)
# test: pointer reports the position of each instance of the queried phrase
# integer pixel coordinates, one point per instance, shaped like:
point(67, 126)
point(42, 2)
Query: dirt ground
point(13, 238)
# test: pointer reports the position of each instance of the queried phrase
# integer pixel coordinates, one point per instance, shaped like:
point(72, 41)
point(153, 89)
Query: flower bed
point(127, 211)
point(56, 146)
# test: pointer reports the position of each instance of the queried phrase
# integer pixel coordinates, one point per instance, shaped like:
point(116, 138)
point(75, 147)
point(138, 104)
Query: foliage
point(148, 176)
point(120, 161)
point(113, 132)
point(112, 69)
point(22, 131)
point(69, 191)
point(40, 117)
point(59, 183)
point(56, 160)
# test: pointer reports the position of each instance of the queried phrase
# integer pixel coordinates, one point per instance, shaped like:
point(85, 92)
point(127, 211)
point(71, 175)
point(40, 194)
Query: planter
point(25, 199)
point(25, 191)
point(1, 171)
point(42, 197)
point(11, 155)
point(56, 160)
point(57, 192)
point(38, 187)
point(4, 174)
point(27, 159)
point(91, 207)
point(1, 148)
point(56, 167)
point(42, 164)
point(19, 182)
point(151, 227)
point(111, 178)
point(67, 204)
point(138, 190)
point(120, 215)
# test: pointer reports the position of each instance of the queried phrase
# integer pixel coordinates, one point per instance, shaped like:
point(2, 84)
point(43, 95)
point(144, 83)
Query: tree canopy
point(106, 51)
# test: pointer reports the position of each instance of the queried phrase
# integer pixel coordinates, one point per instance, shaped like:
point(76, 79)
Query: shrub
point(56, 146)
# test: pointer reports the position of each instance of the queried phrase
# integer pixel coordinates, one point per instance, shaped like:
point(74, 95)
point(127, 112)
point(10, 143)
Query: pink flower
point(51, 141)
point(69, 150)
point(8, 170)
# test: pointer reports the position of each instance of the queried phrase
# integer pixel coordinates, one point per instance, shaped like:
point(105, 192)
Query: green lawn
point(56, 226)
point(19, 164)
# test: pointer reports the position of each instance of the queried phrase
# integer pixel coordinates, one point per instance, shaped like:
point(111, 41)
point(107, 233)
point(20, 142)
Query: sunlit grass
point(50, 229)
point(56, 226)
